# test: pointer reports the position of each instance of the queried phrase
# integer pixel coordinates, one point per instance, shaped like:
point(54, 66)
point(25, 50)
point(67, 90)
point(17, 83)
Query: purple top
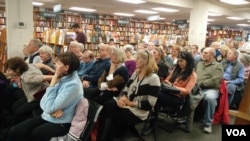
point(131, 65)
point(81, 37)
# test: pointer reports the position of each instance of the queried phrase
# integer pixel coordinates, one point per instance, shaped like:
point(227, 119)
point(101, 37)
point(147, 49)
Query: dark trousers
point(121, 119)
point(37, 129)
point(22, 109)
point(170, 101)
point(89, 93)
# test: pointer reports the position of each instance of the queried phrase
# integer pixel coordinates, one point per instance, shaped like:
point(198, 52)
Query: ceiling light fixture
point(243, 24)
point(37, 3)
point(124, 14)
point(146, 12)
point(235, 2)
point(133, 1)
point(235, 18)
point(210, 20)
point(213, 14)
point(82, 9)
point(165, 9)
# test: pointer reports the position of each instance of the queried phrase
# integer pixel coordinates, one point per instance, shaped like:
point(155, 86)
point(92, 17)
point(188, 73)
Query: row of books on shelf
point(64, 37)
point(115, 22)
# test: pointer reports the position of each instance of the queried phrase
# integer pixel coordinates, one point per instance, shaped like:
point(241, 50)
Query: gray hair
point(245, 58)
point(47, 50)
point(119, 54)
point(37, 42)
point(129, 48)
point(80, 45)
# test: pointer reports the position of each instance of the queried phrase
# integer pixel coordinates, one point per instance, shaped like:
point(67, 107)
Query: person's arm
point(43, 66)
point(189, 86)
point(239, 79)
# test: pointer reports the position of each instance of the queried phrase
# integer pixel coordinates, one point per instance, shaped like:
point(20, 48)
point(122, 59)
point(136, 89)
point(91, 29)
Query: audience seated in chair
point(209, 74)
point(136, 100)
point(130, 62)
point(113, 79)
point(58, 104)
point(90, 79)
point(32, 50)
point(31, 81)
point(233, 73)
point(183, 78)
point(47, 66)
point(162, 66)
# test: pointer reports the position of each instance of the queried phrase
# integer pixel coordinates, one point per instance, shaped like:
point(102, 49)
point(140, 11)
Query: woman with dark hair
point(58, 104)
point(31, 81)
point(182, 77)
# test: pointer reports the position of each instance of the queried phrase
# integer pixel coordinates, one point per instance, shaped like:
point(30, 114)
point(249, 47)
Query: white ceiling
point(185, 6)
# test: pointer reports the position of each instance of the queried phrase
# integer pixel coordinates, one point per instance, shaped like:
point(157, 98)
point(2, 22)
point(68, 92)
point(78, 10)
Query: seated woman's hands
point(124, 101)
point(114, 89)
point(57, 114)
point(85, 84)
point(167, 82)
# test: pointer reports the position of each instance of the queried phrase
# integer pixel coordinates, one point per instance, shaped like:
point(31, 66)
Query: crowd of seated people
point(126, 92)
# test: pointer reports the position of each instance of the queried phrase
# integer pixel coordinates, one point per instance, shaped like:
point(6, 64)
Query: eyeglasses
point(181, 55)
point(147, 53)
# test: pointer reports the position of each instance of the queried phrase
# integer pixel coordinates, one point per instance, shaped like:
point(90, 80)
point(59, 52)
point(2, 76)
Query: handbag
point(195, 96)
point(168, 89)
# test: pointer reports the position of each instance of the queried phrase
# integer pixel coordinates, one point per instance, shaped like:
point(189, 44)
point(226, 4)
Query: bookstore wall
point(54, 29)
point(3, 55)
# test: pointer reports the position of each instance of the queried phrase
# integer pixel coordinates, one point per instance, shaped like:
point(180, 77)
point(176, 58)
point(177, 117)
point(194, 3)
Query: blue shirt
point(228, 72)
point(93, 74)
point(84, 67)
point(64, 96)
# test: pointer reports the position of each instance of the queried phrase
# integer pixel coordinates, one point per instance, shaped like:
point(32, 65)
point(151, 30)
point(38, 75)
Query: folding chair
point(149, 122)
point(93, 113)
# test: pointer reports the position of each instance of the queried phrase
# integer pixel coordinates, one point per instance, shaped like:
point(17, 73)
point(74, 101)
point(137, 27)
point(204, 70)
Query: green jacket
point(210, 76)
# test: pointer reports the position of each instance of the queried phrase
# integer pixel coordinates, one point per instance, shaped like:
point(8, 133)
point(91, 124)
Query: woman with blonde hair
point(223, 50)
point(158, 54)
point(136, 100)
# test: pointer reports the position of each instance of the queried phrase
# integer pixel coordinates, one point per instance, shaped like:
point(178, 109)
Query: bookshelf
point(3, 42)
point(45, 19)
point(222, 34)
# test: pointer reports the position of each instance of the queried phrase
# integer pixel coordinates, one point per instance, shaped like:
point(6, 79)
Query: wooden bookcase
point(3, 42)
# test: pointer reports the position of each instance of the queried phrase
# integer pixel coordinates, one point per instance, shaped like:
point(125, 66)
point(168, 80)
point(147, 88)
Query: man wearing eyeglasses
point(209, 75)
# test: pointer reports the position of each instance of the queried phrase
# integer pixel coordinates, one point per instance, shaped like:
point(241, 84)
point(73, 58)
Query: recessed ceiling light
point(161, 18)
point(235, 18)
point(82, 9)
point(165, 9)
point(37, 3)
point(146, 11)
point(123, 14)
point(235, 2)
point(243, 24)
point(213, 14)
point(133, 1)
point(210, 20)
